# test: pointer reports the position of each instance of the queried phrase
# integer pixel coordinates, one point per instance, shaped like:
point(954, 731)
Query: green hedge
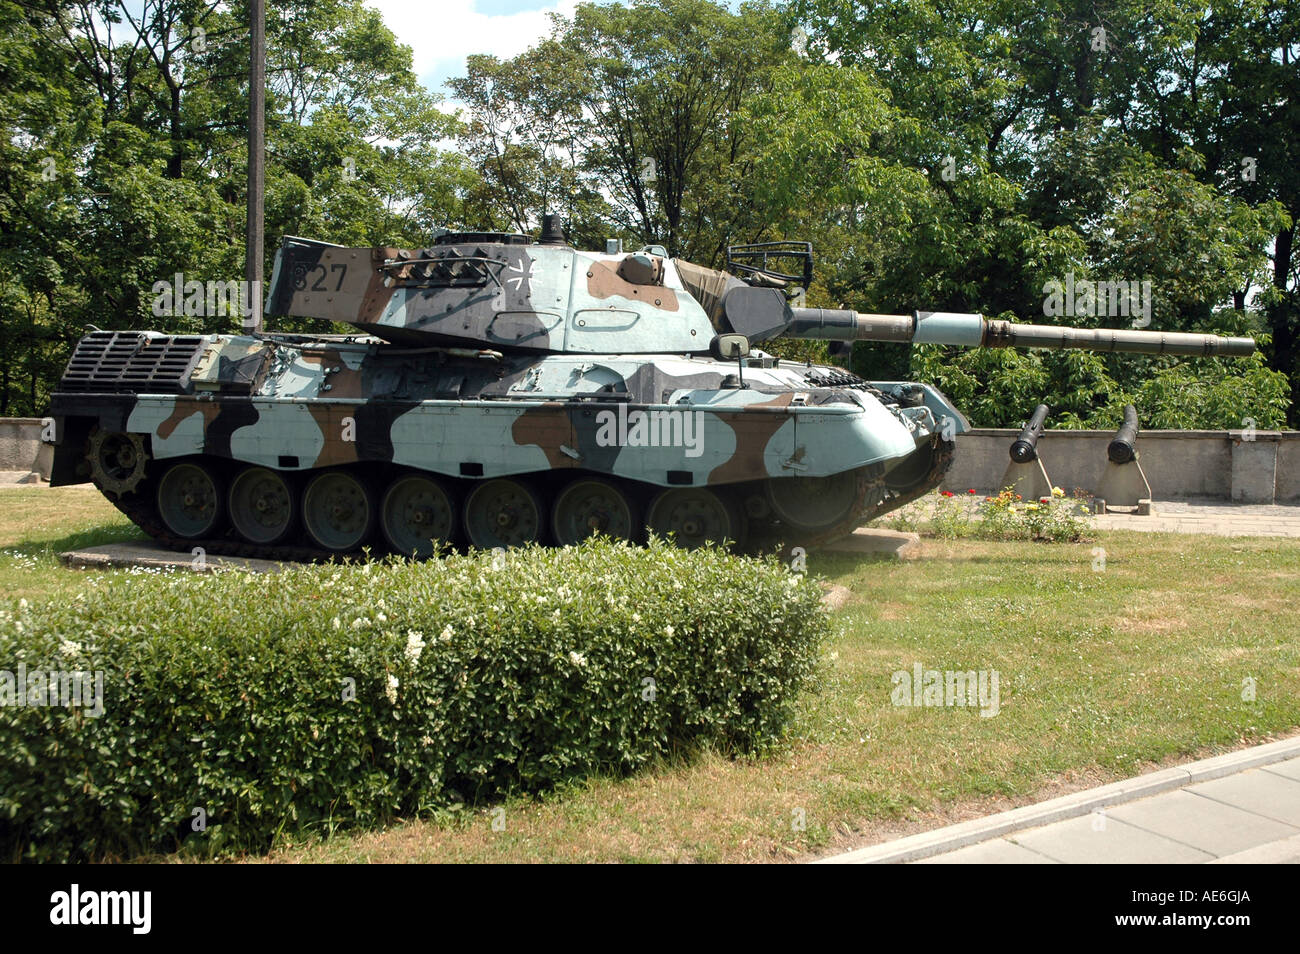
point(475, 676)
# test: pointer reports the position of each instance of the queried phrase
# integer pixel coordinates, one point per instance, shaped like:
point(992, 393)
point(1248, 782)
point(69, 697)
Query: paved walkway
point(1214, 517)
point(1243, 807)
point(1211, 516)
point(1253, 816)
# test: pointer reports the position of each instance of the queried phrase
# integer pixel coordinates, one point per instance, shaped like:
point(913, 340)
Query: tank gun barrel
point(975, 331)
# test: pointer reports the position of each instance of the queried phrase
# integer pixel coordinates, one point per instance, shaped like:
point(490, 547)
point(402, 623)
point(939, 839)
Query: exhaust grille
point(131, 362)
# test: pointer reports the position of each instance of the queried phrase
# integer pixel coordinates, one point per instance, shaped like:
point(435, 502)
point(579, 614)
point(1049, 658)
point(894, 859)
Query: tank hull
point(333, 431)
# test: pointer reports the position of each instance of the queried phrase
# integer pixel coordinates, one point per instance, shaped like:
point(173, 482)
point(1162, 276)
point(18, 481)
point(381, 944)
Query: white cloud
point(441, 33)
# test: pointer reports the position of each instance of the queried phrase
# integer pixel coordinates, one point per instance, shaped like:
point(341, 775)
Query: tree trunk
point(1282, 319)
point(174, 166)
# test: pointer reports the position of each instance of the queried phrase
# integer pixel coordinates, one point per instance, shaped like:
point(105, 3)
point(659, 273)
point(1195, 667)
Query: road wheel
point(337, 512)
point(189, 501)
point(588, 506)
point(695, 517)
point(261, 506)
point(417, 511)
point(503, 513)
point(813, 504)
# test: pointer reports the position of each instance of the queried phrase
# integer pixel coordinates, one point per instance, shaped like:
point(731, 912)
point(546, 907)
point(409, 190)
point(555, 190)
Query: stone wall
point(1259, 468)
point(21, 448)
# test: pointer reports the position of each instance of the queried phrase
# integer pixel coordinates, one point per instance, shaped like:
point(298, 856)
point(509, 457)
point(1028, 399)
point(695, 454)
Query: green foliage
point(123, 159)
point(629, 120)
point(1047, 149)
point(941, 156)
point(1001, 388)
point(1199, 394)
point(474, 676)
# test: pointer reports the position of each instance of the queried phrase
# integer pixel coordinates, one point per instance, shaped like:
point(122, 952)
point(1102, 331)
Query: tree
point(631, 120)
point(1026, 122)
point(123, 158)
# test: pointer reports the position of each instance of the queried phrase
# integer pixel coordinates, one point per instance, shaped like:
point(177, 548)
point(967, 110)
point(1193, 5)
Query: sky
point(441, 33)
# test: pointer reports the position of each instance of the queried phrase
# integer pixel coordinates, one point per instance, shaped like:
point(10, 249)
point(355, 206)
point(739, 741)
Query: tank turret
point(497, 290)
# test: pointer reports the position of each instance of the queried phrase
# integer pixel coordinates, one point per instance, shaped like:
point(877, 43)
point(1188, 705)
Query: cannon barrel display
point(1122, 447)
point(1025, 447)
point(975, 331)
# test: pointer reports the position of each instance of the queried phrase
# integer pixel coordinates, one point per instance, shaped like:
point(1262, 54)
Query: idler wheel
point(336, 511)
point(590, 506)
point(117, 460)
point(189, 501)
point(695, 517)
point(503, 513)
point(261, 506)
point(416, 512)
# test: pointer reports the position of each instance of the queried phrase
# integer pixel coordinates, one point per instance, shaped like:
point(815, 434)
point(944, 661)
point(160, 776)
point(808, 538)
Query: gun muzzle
point(1123, 447)
point(1025, 447)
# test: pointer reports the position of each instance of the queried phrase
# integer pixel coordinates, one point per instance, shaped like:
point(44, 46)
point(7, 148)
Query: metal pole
point(256, 160)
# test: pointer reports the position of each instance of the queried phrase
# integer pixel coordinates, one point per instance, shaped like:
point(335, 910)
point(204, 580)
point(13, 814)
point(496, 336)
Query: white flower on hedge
point(335, 623)
point(382, 618)
point(668, 631)
point(577, 658)
point(22, 604)
point(636, 617)
point(414, 645)
point(391, 689)
point(69, 647)
point(446, 634)
point(359, 622)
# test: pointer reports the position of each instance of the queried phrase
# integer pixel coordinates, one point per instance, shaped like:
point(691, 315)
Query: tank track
point(139, 508)
point(941, 460)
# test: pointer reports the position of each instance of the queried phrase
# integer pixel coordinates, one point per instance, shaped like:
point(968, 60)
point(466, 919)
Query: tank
point(493, 391)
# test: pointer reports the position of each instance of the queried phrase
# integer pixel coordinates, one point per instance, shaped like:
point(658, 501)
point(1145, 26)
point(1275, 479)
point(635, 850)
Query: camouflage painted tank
point(499, 391)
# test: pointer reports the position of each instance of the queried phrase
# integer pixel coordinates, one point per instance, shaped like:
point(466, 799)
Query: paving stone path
point(1252, 817)
point(1216, 517)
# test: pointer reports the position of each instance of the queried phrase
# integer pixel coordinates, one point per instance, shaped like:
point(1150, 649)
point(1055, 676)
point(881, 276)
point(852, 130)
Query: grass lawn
point(1104, 671)
point(37, 524)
